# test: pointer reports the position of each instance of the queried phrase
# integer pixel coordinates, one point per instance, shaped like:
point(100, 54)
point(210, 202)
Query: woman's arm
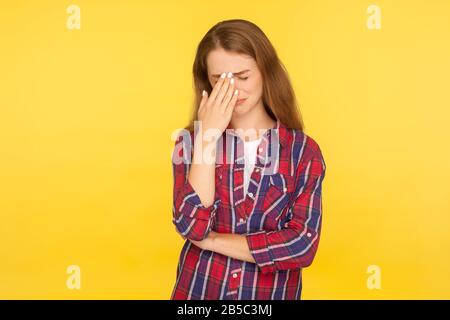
point(191, 218)
point(228, 244)
point(202, 171)
point(299, 239)
point(194, 204)
point(214, 114)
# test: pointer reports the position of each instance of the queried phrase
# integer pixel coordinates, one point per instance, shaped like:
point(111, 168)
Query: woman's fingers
point(204, 100)
point(232, 104)
point(217, 87)
point(228, 95)
point(223, 90)
point(216, 109)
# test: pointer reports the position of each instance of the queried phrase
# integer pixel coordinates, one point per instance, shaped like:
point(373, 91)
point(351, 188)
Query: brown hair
point(244, 37)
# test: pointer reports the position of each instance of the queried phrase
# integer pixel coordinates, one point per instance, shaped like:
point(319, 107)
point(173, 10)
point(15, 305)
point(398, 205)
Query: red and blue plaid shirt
point(280, 216)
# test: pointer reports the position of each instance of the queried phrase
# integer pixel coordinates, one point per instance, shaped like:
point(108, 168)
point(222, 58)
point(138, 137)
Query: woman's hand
point(215, 111)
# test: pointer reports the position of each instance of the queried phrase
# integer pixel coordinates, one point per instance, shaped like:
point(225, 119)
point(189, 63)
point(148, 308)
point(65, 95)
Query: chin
point(243, 108)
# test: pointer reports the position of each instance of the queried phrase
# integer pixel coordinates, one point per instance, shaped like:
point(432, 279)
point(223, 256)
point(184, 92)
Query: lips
point(240, 101)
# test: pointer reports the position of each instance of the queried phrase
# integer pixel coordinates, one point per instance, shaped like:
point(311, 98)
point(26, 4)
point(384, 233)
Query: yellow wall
point(85, 141)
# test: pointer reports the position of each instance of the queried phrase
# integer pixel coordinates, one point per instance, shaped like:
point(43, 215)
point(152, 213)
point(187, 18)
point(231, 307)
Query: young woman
point(252, 216)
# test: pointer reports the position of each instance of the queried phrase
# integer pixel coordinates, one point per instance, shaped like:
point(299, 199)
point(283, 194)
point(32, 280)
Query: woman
point(251, 217)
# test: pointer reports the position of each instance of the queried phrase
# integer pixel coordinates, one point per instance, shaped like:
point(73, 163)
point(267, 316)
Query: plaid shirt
point(280, 217)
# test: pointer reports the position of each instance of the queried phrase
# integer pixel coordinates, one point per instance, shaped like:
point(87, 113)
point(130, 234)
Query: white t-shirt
point(250, 150)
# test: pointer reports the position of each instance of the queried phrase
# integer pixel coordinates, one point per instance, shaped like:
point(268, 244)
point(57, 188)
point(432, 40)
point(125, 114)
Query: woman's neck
point(253, 126)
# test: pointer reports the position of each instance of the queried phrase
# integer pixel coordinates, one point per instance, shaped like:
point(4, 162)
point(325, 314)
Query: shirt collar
point(279, 129)
point(270, 152)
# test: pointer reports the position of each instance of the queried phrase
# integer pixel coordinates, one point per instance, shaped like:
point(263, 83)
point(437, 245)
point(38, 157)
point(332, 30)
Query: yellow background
point(85, 141)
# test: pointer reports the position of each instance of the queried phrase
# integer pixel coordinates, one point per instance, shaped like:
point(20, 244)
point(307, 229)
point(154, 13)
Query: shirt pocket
point(276, 199)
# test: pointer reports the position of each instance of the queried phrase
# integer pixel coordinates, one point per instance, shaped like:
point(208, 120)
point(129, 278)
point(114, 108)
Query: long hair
point(244, 37)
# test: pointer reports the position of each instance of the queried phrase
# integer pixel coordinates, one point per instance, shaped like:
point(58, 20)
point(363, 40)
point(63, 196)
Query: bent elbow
point(192, 230)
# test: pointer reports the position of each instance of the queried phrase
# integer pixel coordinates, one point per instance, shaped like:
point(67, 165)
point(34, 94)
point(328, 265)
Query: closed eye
point(242, 78)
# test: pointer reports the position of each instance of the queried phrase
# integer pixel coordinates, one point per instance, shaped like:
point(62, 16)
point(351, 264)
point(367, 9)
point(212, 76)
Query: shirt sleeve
point(191, 218)
point(295, 245)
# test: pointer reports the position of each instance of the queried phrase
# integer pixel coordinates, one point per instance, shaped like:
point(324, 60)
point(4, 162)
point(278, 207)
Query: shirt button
point(241, 220)
point(220, 176)
point(308, 235)
point(235, 275)
point(250, 194)
point(257, 169)
point(284, 189)
point(260, 149)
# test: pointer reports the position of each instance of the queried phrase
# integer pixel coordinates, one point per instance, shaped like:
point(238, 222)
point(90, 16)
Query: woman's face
point(248, 79)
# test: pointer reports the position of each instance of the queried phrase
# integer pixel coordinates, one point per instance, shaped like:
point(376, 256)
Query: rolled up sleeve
point(295, 245)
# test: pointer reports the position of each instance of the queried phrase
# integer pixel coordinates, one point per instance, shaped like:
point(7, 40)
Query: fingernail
point(232, 80)
point(223, 75)
point(203, 93)
point(229, 74)
point(236, 92)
